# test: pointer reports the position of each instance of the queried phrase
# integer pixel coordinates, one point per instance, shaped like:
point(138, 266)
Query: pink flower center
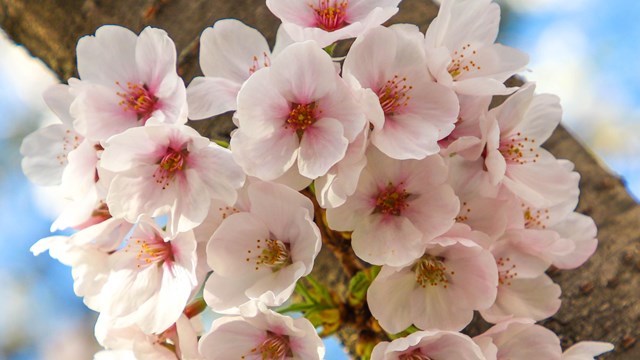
point(139, 99)
point(506, 273)
point(519, 150)
point(394, 95)
point(330, 14)
point(462, 61)
point(274, 347)
point(301, 117)
point(172, 162)
point(150, 251)
point(272, 253)
point(256, 65)
point(392, 200)
point(414, 355)
point(431, 270)
point(535, 219)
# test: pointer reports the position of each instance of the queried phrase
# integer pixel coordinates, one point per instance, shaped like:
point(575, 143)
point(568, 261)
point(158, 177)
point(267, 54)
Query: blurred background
point(585, 51)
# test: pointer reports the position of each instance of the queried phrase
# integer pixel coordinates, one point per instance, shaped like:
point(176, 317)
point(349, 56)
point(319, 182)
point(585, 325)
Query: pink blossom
point(327, 21)
point(230, 52)
point(461, 51)
point(261, 334)
point(440, 290)
point(261, 253)
point(425, 345)
point(413, 112)
point(170, 170)
point(126, 81)
point(298, 109)
point(520, 339)
point(397, 209)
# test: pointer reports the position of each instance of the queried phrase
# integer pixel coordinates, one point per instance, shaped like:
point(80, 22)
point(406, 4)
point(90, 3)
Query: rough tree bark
point(600, 299)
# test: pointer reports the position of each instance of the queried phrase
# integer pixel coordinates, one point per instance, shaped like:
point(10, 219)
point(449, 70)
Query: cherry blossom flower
point(440, 290)
point(45, 151)
point(151, 279)
point(327, 21)
point(126, 81)
point(296, 109)
point(179, 341)
point(514, 159)
point(461, 51)
point(520, 339)
point(230, 52)
point(260, 254)
point(586, 350)
point(425, 345)
point(168, 170)
point(413, 112)
point(397, 208)
point(261, 334)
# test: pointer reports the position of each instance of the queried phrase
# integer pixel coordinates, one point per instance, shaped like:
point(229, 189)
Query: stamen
point(150, 251)
point(414, 355)
point(331, 14)
point(273, 253)
point(519, 150)
point(506, 273)
point(535, 219)
point(394, 95)
point(431, 270)
point(256, 65)
point(301, 117)
point(139, 99)
point(461, 63)
point(274, 347)
point(392, 200)
point(172, 162)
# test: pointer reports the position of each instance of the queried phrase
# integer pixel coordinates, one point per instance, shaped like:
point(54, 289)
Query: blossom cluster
point(397, 143)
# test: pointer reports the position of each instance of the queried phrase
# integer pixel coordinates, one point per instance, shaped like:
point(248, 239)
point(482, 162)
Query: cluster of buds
point(394, 151)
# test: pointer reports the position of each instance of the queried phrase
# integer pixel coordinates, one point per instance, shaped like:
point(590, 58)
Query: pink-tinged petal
point(266, 158)
point(542, 184)
point(516, 339)
point(407, 137)
point(224, 294)
point(187, 345)
point(387, 240)
point(293, 179)
point(232, 50)
point(515, 259)
point(371, 57)
point(209, 96)
point(58, 98)
point(97, 111)
point(360, 9)
point(156, 61)
point(192, 204)
point(586, 350)
point(389, 298)
point(303, 73)
point(282, 41)
point(236, 240)
point(511, 113)
point(214, 165)
point(275, 204)
point(462, 22)
point(357, 206)
point(581, 230)
point(481, 86)
point(450, 345)
point(433, 211)
point(229, 338)
point(298, 12)
point(497, 62)
point(474, 284)
point(107, 56)
point(261, 109)
point(432, 308)
point(276, 288)
point(321, 147)
point(542, 117)
point(79, 177)
point(46, 151)
point(341, 104)
point(537, 299)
